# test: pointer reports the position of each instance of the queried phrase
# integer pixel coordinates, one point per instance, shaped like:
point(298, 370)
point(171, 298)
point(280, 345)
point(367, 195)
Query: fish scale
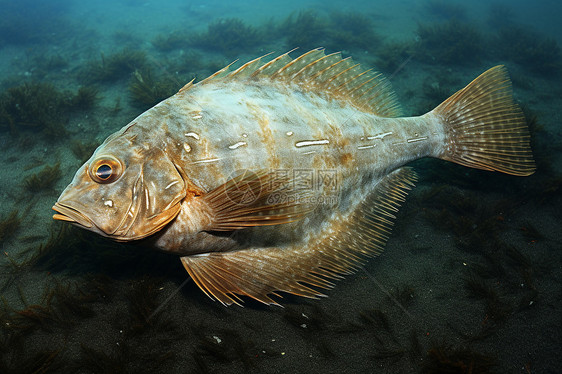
point(282, 176)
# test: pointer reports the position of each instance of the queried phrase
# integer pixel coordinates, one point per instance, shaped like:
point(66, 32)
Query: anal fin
point(301, 269)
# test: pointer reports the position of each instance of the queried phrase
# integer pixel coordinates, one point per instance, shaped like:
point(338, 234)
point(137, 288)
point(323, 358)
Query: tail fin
point(484, 129)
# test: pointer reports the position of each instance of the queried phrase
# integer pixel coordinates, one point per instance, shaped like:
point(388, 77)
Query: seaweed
point(435, 91)
point(146, 92)
point(42, 65)
point(33, 106)
point(9, 225)
point(384, 343)
point(351, 30)
point(44, 180)
point(171, 41)
point(497, 309)
point(83, 150)
point(443, 358)
point(86, 98)
point(229, 36)
point(451, 42)
point(392, 55)
point(375, 318)
point(305, 30)
point(116, 66)
point(70, 300)
point(529, 49)
point(36, 316)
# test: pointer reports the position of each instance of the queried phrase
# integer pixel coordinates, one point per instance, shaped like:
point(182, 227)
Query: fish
point(285, 174)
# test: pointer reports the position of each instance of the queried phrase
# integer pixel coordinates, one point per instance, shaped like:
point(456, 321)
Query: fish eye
point(105, 170)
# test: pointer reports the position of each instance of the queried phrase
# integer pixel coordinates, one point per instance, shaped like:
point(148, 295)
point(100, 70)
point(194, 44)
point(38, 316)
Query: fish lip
point(69, 214)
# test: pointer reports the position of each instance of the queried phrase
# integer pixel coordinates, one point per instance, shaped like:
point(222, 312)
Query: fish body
point(282, 175)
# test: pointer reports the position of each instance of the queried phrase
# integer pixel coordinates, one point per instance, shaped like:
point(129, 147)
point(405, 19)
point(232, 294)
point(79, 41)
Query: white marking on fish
point(306, 143)
point(193, 135)
point(289, 133)
point(379, 136)
point(413, 140)
point(171, 184)
point(197, 116)
point(367, 146)
point(147, 198)
point(206, 160)
point(237, 145)
point(108, 203)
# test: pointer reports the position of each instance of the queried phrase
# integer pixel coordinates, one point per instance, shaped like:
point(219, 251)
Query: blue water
point(470, 277)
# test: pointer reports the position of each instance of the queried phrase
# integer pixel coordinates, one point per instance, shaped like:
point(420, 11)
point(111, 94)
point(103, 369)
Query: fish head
point(125, 191)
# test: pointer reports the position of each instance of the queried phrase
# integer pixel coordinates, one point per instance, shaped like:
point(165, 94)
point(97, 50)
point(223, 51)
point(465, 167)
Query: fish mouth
point(68, 214)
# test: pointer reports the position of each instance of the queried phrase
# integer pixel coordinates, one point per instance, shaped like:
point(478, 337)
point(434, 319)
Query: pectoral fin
point(256, 199)
point(300, 269)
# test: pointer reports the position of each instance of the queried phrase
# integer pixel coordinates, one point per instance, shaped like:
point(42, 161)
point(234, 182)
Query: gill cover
point(123, 192)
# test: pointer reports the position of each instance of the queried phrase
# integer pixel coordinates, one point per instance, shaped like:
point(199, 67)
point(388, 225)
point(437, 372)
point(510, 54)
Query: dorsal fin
point(331, 75)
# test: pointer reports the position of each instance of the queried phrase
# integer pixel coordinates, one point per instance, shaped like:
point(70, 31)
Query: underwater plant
point(40, 107)
point(9, 225)
point(306, 30)
point(32, 106)
point(229, 36)
point(444, 358)
point(528, 48)
point(171, 41)
point(146, 91)
point(42, 65)
point(451, 42)
point(85, 98)
point(390, 55)
point(44, 179)
point(349, 30)
point(83, 150)
point(116, 66)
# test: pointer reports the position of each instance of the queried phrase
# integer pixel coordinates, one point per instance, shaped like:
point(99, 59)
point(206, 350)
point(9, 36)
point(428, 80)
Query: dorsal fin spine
point(218, 72)
point(268, 64)
point(313, 63)
point(284, 68)
point(319, 73)
point(346, 83)
point(352, 92)
point(329, 81)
